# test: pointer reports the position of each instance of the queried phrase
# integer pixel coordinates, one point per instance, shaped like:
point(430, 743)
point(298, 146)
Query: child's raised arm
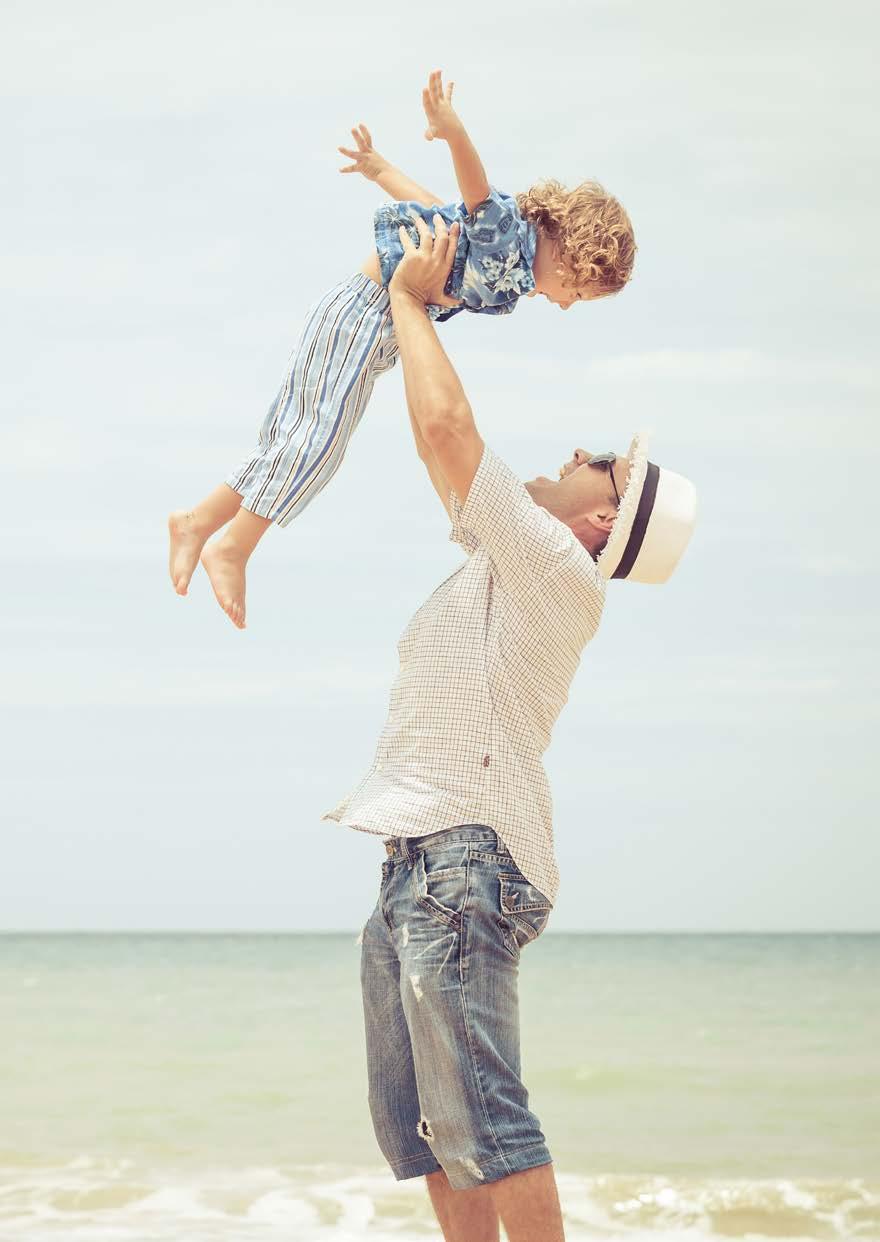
point(370, 164)
point(444, 122)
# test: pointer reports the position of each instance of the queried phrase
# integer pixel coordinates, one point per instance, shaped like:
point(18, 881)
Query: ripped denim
point(439, 965)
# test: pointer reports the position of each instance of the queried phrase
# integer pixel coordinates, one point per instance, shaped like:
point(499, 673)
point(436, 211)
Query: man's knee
point(460, 1169)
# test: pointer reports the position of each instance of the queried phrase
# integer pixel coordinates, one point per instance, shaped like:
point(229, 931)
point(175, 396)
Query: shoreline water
point(102, 1199)
point(690, 1086)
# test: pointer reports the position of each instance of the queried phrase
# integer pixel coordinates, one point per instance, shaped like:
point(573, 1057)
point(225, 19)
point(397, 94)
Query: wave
point(95, 1200)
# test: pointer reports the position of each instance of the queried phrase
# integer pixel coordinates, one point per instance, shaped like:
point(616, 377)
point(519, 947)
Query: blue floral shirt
point(493, 260)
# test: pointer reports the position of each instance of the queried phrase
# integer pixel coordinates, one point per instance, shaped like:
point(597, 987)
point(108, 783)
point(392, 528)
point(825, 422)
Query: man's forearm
point(434, 392)
point(401, 188)
point(443, 423)
point(469, 172)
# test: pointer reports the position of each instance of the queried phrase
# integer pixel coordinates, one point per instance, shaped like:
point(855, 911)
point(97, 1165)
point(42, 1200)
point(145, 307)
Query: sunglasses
point(604, 461)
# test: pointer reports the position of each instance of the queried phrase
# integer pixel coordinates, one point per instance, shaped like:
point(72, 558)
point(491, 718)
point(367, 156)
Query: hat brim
point(612, 554)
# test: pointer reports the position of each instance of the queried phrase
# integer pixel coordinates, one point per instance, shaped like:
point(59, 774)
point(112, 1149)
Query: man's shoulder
point(501, 516)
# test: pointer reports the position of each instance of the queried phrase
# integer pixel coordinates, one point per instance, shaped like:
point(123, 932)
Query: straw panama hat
point(657, 513)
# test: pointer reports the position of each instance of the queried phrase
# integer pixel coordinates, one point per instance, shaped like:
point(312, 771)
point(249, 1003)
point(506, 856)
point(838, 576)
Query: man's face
point(593, 484)
point(583, 496)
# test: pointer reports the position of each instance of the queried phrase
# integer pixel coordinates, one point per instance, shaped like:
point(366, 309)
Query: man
point(458, 789)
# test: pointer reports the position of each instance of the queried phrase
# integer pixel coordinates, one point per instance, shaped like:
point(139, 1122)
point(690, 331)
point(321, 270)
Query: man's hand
point(367, 162)
point(443, 120)
point(424, 269)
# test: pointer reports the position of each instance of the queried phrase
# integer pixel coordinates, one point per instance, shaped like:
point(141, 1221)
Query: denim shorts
point(439, 965)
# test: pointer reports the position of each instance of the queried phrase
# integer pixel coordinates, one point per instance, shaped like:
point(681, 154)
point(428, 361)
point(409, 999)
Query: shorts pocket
point(441, 883)
point(523, 911)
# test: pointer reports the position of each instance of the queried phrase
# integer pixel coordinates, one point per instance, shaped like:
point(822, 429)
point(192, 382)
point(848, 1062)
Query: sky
point(171, 207)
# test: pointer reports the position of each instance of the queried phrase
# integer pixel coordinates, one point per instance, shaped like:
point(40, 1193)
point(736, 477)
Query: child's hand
point(443, 120)
point(367, 162)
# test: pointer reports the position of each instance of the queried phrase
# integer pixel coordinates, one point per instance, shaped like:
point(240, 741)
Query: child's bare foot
point(224, 563)
point(187, 541)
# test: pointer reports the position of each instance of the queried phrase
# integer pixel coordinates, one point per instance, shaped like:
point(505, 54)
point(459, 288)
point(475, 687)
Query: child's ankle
point(197, 522)
point(233, 543)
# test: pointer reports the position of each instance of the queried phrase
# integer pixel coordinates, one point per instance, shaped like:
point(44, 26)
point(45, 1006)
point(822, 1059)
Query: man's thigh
point(458, 949)
point(393, 1091)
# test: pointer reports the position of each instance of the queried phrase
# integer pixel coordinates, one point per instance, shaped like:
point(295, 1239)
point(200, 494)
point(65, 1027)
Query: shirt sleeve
point(501, 248)
point(460, 534)
point(528, 547)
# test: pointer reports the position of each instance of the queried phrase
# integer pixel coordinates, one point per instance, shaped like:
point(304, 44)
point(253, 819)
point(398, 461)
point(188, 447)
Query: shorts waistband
point(473, 834)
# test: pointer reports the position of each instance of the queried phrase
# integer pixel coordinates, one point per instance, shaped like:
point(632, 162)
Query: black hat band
point(640, 524)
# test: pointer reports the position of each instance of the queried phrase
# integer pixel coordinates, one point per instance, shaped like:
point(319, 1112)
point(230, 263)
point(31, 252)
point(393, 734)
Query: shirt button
point(486, 761)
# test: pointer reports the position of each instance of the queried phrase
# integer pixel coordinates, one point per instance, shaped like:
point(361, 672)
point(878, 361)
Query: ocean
point(206, 1087)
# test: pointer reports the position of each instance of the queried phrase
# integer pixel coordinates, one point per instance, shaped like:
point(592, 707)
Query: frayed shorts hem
point(461, 1173)
point(416, 1166)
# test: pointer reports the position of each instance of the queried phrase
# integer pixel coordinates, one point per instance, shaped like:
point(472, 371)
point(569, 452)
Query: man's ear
point(603, 521)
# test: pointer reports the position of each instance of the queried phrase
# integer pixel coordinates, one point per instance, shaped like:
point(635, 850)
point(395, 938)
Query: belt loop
point(408, 852)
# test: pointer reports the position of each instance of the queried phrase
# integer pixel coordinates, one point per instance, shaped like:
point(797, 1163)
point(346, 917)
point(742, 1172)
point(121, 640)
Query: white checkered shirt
point(485, 667)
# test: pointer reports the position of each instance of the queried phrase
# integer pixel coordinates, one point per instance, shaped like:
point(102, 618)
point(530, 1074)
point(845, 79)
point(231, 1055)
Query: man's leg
point(393, 1093)
point(458, 975)
point(464, 1215)
point(528, 1205)
point(526, 1202)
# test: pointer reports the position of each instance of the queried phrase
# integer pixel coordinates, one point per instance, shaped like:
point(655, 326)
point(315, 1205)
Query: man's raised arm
point(439, 410)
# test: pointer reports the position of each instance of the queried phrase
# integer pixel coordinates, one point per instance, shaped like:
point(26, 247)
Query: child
point(567, 245)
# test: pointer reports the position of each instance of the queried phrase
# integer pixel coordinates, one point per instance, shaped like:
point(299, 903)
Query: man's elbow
point(448, 424)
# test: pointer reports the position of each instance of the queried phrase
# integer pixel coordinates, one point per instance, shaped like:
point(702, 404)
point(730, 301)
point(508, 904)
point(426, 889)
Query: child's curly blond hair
point(592, 231)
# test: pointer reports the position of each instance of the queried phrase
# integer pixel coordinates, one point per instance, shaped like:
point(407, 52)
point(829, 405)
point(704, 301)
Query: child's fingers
point(449, 91)
point(405, 240)
point(368, 137)
point(352, 155)
point(351, 168)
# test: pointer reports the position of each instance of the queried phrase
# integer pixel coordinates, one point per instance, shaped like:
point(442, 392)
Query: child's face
point(554, 282)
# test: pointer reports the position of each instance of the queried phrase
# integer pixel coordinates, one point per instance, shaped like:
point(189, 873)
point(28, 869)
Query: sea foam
point(94, 1200)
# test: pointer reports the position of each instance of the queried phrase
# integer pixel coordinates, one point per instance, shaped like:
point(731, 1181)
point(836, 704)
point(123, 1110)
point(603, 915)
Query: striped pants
point(348, 340)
